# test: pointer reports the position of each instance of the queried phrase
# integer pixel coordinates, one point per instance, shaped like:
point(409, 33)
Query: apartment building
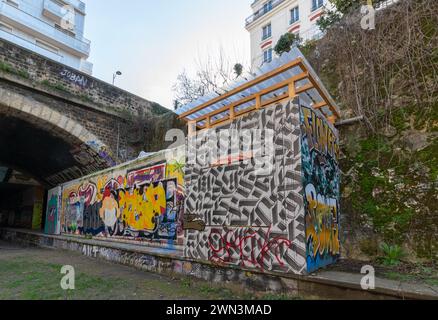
point(273, 18)
point(52, 28)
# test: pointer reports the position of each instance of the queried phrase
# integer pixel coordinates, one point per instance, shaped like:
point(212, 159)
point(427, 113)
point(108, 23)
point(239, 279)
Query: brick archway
point(23, 115)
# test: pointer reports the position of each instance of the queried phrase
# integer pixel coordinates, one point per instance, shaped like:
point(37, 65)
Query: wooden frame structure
point(295, 85)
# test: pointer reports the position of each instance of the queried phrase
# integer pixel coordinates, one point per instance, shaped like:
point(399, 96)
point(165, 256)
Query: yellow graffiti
point(139, 210)
point(325, 140)
point(175, 170)
point(321, 227)
point(101, 181)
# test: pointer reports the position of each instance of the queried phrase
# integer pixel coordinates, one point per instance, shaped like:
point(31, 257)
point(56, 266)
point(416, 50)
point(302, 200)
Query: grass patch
point(24, 280)
point(6, 67)
point(55, 86)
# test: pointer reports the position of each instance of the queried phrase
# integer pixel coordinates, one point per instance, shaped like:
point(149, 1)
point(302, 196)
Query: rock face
point(414, 140)
point(390, 176)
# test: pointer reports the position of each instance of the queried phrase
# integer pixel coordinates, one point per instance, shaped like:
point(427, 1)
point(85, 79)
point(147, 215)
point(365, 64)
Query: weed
point(392, 254)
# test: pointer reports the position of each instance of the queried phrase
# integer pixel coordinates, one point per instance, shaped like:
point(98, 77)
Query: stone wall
point(96, 124)
point(52, 77)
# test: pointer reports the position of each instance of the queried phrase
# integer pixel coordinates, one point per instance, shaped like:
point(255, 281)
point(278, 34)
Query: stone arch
point(88, 152)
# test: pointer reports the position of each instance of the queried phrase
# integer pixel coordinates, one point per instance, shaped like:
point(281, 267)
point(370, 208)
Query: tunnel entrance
point(33, 150)
point(39, 149)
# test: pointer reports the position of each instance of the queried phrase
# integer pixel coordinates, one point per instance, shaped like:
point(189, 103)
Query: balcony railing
point(57, 13)
point(262, 11)
point(86, 67)
point(77, 4)
point(78, 44)
point(31, 46)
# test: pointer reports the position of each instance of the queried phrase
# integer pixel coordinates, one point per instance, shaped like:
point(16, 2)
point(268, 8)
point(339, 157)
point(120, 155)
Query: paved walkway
point(404, 290)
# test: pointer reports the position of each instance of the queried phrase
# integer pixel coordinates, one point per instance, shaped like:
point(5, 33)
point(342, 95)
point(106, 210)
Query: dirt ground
point(35, 274)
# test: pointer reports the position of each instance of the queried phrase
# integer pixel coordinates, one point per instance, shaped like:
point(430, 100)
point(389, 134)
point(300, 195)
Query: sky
point(152, 41)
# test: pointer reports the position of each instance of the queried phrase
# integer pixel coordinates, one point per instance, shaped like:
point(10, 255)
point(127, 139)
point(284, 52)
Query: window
point(267, 7)
point(46, 46)
point(316, 4)
point(267, 55)
point(267, 32)
point(294, 15)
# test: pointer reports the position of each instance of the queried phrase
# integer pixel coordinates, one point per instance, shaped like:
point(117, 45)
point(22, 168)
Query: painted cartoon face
point(109, 212)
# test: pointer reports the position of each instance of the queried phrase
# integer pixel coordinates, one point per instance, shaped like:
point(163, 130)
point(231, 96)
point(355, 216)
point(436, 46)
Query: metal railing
point(77, 4)
point(262, 11)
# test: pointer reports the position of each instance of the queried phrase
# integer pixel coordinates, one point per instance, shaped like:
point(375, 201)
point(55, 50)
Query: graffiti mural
point(52, 225)
point(245, 219)
point(321, 178)
point(138, 201)
point(37, 212)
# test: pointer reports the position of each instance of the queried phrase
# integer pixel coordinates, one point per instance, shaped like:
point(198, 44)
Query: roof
point(268, 84)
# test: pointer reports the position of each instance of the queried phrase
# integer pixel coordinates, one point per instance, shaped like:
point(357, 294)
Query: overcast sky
point(152, 41)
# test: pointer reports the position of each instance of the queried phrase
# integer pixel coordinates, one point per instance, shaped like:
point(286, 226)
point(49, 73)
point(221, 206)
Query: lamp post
point(118, 73)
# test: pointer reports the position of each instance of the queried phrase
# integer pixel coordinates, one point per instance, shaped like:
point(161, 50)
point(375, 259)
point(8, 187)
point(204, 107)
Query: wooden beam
point(191, 130)
point(273, 73)
point(324, 97)
point(305, 88)
point(332, 119)
point(256, 96)
point(319, 105)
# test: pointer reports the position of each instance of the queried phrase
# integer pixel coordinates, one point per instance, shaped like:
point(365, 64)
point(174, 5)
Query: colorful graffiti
point(143, 203)
point(321, 179)
point(244, 219)
point(283, 221)
point(248, 248)
point(52, 213)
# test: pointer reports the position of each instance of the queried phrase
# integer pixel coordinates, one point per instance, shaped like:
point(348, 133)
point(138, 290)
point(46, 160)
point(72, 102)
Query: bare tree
point(214, 73)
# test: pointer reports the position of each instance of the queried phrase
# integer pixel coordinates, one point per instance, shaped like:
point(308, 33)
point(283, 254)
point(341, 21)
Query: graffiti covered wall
point(253, 218)
point(141, 200)
point(52, 225)
point(261, 192)
point(321, 179)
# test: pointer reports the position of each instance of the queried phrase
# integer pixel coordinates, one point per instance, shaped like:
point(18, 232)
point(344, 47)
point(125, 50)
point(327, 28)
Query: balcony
point(264, 10)
point(56, 13)
point(30, 46)
point(77, 4)
point(86, 67)
point(16, 16)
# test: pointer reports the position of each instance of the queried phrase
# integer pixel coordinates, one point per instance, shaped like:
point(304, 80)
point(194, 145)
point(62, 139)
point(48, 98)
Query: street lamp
point(118, 73)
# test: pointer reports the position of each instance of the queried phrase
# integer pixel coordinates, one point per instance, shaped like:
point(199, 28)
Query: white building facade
point(52, 28)
point(273, 18)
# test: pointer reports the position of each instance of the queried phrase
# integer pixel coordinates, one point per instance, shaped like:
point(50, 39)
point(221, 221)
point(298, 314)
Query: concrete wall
point(140, 200)
point(53, 211)
point(321, 182)
point(22, 207)
point(254, 216)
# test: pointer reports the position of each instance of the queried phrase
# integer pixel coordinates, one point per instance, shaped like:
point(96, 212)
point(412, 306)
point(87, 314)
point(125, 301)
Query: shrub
point(392, 254)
